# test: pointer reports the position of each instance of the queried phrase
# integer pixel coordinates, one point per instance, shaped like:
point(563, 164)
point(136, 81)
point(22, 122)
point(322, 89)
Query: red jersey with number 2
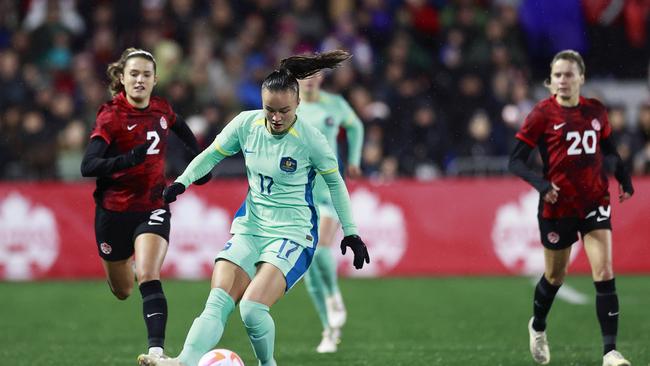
point(568, 140)
point(124, 127)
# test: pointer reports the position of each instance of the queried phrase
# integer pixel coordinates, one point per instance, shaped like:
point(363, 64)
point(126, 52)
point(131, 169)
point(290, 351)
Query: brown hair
point(568, 55)
point(301, 67)
point(116, 68)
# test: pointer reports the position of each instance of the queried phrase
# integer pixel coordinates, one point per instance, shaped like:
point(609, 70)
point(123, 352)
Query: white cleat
point(330, 341)
point(538, 345)
point(158, 360)
point(336, 313)
point(615, 358)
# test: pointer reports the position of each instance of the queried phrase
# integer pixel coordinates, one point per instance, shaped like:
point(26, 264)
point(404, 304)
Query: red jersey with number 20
point(124, 127)
point(568, 140)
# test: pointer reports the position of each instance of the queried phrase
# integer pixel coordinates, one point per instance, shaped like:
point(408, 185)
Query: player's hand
point(624, 194)
point(358, 248)
point(203, 180)
point(138, 154)
point(173, 190)
point(552, 194)
point(354, 171)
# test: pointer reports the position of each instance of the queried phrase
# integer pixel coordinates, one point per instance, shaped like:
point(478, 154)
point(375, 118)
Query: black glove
point(204, 179)
point(173, 190)
point(137, 154)
point(358, 248)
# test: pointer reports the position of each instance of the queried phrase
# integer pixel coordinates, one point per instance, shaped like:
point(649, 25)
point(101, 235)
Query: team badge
point(163, 122)
point(595, 123)
point(553, 237)
point(105, 248)
point(329, 121)
point(287, 164)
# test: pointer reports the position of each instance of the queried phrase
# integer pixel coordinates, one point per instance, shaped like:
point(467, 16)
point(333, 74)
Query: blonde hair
point(116, 68)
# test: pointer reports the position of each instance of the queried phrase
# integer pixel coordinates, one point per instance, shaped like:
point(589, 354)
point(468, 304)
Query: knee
point(121, 294)
point(603, 274)
point(252, 313)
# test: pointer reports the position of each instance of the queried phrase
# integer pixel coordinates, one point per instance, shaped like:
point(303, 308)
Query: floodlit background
point(441, 87)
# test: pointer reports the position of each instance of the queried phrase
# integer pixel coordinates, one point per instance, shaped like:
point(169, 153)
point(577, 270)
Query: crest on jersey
point(329, 121)
point(595, 123)
point(287, 164)
point(163, 122)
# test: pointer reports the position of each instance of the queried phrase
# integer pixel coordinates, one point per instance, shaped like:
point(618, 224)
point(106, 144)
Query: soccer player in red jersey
point(573, 137)
point(126, 153)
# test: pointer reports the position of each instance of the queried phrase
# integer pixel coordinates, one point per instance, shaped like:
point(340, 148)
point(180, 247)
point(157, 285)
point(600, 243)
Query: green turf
point(405, 321)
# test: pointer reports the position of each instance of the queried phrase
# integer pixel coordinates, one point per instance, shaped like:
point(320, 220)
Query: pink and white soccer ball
point(221, 357)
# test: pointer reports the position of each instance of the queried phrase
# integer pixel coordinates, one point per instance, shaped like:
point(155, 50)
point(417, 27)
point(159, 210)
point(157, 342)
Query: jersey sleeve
point(354, 131)
point(227, 141)
point(533, 127)
point(321, 155)
point(102, 124)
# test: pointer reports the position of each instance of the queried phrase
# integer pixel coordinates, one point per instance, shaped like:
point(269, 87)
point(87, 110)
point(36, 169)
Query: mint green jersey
point(328, 114)
point(281, 170)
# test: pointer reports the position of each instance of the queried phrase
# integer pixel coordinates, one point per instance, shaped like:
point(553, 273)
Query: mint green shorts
point(246, 251)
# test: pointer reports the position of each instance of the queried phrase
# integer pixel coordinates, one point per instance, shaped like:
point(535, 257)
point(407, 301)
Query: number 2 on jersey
point(153, 135)
point(587, 140)
point(269, 182)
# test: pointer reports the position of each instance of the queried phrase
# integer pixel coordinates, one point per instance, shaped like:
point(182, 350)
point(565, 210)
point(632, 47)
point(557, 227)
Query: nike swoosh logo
point(612, 314)
point(599, 219)
point(155, 223)
point(131, 127)
point(557, 127)
point(246, 151)
point(150, 315)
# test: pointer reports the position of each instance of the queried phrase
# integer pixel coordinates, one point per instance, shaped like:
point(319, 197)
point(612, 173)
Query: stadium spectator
point(126, 154)
point(574, 197)
point(274, 235)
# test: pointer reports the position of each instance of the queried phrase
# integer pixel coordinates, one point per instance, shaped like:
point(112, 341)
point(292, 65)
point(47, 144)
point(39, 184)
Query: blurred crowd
point(440, 85)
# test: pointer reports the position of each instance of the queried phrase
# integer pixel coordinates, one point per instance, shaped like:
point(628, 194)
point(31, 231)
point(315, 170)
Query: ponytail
point(301, 67)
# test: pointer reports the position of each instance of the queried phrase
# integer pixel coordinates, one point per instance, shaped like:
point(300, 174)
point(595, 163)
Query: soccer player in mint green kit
point(275, 231)
point(328, 112)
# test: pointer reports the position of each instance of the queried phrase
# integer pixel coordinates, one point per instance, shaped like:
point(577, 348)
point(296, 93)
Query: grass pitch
point(471, 321)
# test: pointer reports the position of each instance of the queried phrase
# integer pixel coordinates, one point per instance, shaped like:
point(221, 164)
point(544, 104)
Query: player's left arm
point(324, 161)
point(626, 190)
point(182, 130)
point(354, 131)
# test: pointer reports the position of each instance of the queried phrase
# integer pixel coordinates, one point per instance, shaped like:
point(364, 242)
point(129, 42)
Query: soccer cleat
point(538, 345)
point(158, 360)
point(329, 343)
point(615, 358)
point(336, 313)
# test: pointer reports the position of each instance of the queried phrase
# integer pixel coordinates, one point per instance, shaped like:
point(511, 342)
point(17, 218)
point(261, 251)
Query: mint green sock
point(207, 329)
point(260, 328)
point(316, 290)
point(325, 261)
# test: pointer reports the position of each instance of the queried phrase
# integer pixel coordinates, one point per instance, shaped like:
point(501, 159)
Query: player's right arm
point(527, 137)
point(225, 144)
point(95, 163)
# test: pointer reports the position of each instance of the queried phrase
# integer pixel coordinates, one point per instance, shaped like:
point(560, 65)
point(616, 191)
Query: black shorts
point(115, 232)
point(561, 233)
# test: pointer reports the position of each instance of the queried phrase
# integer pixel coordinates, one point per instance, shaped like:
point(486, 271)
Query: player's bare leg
point(598, 246)
point(120, 277)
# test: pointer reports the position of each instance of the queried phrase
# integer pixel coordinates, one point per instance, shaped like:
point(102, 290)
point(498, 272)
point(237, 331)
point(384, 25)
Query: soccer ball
point(221, 357)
